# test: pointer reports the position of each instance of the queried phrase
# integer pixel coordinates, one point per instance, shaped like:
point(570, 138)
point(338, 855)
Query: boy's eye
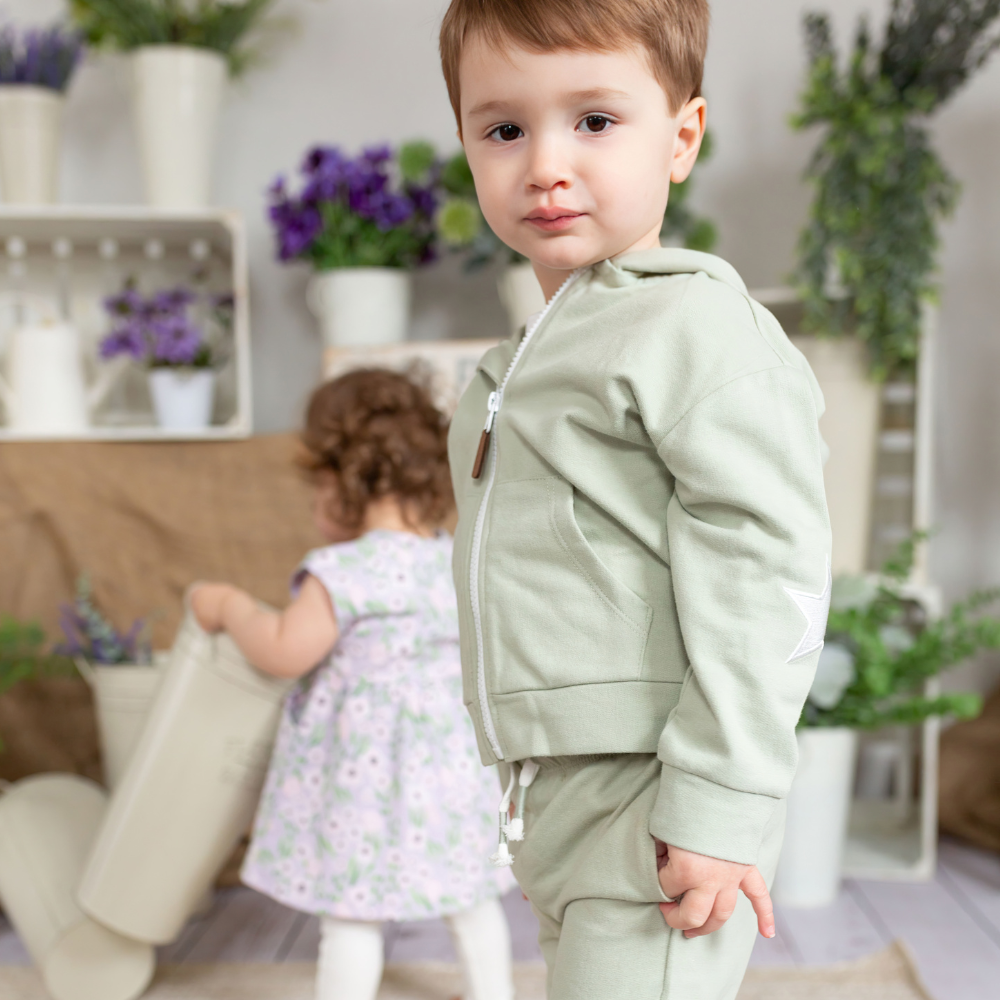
point(506, 133)
point(594, 124)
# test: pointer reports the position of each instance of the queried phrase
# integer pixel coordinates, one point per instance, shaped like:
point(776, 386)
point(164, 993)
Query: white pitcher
point(45, 393)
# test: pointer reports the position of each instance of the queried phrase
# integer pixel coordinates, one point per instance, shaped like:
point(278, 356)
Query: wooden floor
point(952, 926)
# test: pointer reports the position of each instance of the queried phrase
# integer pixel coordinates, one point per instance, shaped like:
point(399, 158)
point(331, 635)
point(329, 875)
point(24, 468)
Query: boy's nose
point(548, 168)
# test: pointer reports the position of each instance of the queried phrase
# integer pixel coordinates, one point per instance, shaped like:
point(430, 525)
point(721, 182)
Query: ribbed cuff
point(698, 815)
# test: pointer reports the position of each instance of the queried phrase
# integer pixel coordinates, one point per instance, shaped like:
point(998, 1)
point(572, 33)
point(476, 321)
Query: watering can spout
point(108, 375)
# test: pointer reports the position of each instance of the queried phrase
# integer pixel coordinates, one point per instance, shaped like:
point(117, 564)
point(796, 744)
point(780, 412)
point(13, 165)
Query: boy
point(642, 555)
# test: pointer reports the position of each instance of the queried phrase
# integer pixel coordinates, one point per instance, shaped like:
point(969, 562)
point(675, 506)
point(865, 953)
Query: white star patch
point(816, 608)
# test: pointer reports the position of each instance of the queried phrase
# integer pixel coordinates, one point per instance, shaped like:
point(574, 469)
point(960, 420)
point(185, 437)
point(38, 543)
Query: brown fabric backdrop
point(144, 521)
point(970, 777)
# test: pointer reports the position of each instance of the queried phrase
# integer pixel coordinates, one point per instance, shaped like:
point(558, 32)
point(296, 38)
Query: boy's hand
point(705, 891)
point(207, 600)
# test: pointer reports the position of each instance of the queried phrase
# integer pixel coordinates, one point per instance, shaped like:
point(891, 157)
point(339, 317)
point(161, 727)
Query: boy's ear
point(690, 132)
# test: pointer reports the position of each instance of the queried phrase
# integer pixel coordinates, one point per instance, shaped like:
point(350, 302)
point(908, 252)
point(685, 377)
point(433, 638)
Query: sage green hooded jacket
point(642, 565)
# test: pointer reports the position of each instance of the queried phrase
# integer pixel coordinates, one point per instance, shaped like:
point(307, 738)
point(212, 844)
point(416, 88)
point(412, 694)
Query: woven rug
point(887, 975)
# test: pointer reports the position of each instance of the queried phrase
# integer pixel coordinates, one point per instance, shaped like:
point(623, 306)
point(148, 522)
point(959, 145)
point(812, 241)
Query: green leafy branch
point(208, 24)
point(895, 650)
point(868, 253)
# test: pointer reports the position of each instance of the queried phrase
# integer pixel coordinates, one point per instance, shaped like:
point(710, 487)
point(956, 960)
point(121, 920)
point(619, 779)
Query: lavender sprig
point(90, 635)
point(43, 57)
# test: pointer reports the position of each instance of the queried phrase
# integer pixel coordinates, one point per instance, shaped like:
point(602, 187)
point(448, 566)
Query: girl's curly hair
point(379, 434)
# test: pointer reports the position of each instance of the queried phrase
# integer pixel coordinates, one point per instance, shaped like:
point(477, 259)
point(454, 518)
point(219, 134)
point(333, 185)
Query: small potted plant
point(120, 669)
point(181, 54)
point(880, 650)
point(36, 66)
point(364, 223)
point(157, 331)
point(461, 227)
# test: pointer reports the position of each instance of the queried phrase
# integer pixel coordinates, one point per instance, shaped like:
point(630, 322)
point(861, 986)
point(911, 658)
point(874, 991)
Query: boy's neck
point(551, 278)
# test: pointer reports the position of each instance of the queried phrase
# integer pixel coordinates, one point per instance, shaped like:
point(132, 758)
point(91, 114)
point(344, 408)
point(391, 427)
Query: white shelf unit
point(220, 235)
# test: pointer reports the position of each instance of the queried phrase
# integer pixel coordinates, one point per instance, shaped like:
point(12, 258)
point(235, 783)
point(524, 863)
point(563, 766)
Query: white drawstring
point(514, 828)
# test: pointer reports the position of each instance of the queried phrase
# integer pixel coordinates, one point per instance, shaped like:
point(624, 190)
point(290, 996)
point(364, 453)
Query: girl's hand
point(207, 600)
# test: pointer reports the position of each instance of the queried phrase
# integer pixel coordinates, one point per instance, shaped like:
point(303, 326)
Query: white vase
point(361, 306)
point(182, 397)
point(520, 294)
point(47, 825)
point(850, 428)
point(123, 696)
point(178, 93)
point(30, 129)
point(816, 825)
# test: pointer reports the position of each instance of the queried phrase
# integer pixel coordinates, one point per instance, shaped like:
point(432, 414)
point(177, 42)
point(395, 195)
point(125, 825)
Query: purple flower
point(344, 206)
point(45, 57)
point(175, 341)
point(127, 340)
point(156, 330)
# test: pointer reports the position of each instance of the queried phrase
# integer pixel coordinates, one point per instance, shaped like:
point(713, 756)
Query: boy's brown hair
point(673, 32)
point(377, 433)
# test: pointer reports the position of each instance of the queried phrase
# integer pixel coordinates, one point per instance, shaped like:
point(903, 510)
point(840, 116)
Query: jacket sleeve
point(749, 542)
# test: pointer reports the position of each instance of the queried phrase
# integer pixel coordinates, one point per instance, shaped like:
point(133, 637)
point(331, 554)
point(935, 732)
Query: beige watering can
point(45, 392)
point(189, 792)
point(47, 825)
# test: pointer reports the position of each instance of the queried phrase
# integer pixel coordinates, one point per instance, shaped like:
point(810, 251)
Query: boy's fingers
point(692, 911)
point(725, 903)
point(755, 889)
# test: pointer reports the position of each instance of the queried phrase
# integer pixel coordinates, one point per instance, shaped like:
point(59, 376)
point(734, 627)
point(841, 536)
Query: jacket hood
point(675, 260)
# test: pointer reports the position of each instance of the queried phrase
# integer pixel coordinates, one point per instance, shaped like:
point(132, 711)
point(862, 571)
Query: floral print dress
point(376, 805)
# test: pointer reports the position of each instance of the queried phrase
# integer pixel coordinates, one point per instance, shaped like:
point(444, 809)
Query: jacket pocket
point(554, 615)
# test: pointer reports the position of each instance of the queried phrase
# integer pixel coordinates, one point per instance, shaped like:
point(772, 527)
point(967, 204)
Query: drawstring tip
point(514, 829)
point(503, 858)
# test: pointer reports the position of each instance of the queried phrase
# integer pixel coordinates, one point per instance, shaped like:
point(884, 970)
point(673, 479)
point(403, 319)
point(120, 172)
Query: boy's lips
point(553, 219)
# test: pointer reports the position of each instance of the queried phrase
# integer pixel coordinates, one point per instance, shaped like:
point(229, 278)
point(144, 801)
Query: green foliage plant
point(867, 255)
point(24, 655)
point(895, 649)
point(217, 25)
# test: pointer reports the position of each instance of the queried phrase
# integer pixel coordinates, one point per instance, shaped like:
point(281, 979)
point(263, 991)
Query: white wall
point(354, 72)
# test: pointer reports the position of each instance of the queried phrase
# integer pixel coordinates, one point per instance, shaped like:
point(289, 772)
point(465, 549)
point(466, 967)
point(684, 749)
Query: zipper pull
point(492, 406)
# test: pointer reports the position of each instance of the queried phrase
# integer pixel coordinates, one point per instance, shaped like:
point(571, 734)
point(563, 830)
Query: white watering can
point(45, 392)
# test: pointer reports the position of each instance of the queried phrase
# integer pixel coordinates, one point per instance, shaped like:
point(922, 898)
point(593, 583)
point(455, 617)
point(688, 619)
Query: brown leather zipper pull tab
point(493, 404)
point(484, 445)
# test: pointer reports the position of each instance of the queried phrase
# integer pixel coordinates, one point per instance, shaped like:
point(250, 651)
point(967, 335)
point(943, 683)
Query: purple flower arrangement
point(44, 57)
point(90, 635)
point(373, 210)
point(156, 330)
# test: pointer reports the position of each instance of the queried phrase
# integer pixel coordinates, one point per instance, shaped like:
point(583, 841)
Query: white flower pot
point(188, 793)
point(47, 825)
point(178, 93)
point(520, 294)
point(816, 825)
point(30, 130)
point(850, 428)
point(123, 696)
point(361, 306)
point(182, 397)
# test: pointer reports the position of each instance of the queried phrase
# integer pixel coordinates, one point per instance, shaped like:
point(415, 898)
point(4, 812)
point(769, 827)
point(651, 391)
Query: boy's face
point(572, 152)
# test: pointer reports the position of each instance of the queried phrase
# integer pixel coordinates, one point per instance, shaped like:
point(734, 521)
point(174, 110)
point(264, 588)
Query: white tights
point(351, 955)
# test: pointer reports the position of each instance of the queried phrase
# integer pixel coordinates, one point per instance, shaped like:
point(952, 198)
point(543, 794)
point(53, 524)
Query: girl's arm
point(285, 643)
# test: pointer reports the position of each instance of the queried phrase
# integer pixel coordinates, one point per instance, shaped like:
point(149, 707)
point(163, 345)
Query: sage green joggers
point(588, 865)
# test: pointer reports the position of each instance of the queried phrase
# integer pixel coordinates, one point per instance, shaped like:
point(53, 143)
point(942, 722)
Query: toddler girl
point(375, 807)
